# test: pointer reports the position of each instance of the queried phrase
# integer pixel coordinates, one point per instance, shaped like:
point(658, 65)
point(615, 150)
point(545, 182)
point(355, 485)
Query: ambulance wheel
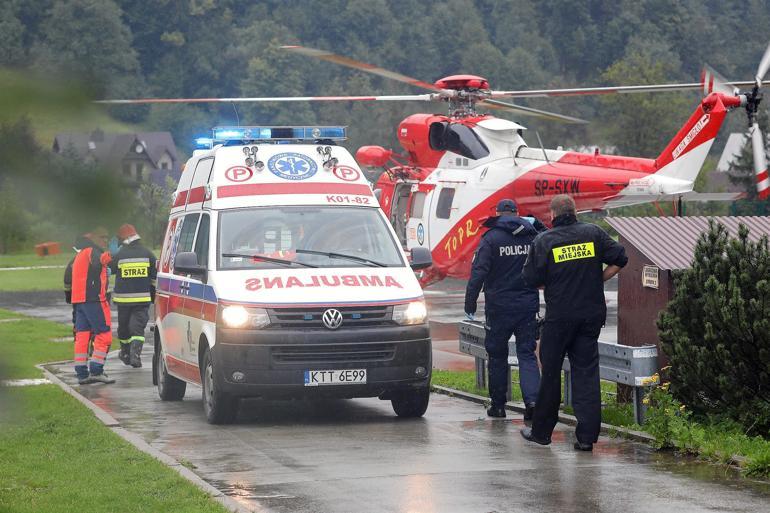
point(220, 407)
point(412, 403)
point(169, 387)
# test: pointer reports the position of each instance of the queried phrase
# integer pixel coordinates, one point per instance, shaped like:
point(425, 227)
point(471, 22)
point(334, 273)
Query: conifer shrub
point(716, 330)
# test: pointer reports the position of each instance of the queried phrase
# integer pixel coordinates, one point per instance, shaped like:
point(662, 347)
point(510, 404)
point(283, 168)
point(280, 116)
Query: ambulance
point(281, 278)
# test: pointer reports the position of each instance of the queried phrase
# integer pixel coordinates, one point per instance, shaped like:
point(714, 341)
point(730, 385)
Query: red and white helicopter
point(456, 167)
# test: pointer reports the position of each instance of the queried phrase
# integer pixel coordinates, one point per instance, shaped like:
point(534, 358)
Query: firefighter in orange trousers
point(92, 311)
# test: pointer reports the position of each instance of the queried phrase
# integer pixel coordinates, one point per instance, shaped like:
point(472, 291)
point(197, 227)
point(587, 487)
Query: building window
point(126, 169)
point(138, 171)
point(444, 206)
point(164, 165)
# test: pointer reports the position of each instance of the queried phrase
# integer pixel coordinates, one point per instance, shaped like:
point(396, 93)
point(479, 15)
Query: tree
point(642, 124)
point(88, 40)
point(716, 329)
point(151, 212)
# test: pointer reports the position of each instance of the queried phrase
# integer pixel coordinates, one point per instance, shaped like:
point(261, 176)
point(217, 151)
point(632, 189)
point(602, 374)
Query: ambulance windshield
point(305, 236)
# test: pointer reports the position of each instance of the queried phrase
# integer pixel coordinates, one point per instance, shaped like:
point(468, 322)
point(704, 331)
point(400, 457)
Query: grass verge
point(32, 279)
point(32, 260)
point(57, 457)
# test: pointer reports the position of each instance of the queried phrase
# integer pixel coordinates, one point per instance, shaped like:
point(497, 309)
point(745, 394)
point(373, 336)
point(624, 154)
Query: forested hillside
point(201, 48)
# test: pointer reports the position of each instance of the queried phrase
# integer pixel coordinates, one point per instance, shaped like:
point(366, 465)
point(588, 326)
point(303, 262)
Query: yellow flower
point(682, 408)
point(646, 400)
point(665, 386)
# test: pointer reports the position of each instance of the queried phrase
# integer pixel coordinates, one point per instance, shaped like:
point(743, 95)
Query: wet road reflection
point(355, 455)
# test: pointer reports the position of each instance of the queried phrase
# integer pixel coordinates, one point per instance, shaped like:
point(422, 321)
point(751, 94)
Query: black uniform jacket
point(497, 267)
point(568, 260)
point(134, 267)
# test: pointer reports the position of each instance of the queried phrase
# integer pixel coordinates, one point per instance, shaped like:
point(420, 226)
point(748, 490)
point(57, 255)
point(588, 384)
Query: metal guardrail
point(636, 367)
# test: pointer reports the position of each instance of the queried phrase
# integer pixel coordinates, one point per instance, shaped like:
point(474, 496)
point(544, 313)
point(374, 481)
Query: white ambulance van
point(280, 277)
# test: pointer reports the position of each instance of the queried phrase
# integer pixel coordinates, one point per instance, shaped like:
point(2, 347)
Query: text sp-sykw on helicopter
point(456, 167)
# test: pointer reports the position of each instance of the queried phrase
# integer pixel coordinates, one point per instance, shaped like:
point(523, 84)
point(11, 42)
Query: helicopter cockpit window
point(437, 135)
point(457, 138)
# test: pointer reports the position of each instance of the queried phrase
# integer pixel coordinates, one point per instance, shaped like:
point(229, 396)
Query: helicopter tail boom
point(683, 157)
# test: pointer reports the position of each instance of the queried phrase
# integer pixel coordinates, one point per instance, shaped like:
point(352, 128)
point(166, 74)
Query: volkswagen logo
point(332, 319)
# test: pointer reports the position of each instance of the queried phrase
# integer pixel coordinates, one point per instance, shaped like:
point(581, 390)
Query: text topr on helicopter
point(455, 167)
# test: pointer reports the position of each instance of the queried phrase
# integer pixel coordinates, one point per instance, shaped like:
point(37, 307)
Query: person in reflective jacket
point(134, 267)
point(511, 305)
point(568, 261)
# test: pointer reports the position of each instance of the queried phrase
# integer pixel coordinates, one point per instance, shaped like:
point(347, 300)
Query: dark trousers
point(132, 321)
point(578, 340)
point(500, 326)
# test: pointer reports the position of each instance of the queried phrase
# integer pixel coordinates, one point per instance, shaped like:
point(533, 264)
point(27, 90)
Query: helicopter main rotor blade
point(411, 97)
point(760, 162)
point(588, 91)
point(529, 111)
point(361, 66)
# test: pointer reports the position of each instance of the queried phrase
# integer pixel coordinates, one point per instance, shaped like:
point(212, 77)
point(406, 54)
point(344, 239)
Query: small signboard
point(650, 276)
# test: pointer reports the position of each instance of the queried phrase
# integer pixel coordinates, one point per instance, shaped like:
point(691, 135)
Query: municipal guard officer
point(567, 260)
point(511, 306)
point(135, 273)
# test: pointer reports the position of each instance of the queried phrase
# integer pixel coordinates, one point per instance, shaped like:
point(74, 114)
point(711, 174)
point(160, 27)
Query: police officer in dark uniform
point(511, 306)
point(568, 260)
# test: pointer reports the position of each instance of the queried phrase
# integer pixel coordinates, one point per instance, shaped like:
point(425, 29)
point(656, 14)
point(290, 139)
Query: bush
point(716, 330)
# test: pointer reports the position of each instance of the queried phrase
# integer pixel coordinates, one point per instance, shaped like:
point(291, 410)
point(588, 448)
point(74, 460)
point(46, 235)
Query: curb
point(138, 442)
point(571, 420)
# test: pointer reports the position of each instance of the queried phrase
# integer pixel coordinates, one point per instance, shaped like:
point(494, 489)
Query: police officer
point(568, 261)
point(134, 267)
point(511, 306)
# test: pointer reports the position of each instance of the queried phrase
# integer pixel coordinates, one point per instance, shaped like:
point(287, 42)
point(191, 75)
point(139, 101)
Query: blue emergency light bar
point(247, 134)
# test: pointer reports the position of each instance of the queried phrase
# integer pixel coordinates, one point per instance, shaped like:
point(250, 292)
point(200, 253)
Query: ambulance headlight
point(236, 316)
point(410, 313)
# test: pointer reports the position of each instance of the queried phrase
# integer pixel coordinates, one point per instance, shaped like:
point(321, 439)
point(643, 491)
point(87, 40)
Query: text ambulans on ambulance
point(280, 277)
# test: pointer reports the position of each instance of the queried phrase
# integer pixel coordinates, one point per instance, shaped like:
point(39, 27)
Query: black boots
point(125, 353)
point(529, 411)
point(135, 358)
point(497, 412)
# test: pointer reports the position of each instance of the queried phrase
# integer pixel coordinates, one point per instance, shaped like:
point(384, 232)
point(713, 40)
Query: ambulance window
point(202, 241)
point(444, 206)
point(418, 204)
point(187, 235)
point(203, 171)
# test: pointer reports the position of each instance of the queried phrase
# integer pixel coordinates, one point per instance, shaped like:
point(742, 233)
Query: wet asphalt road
point(356, 455)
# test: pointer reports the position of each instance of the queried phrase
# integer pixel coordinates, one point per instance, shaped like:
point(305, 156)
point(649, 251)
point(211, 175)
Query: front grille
point(310, 318)
point(332, 353)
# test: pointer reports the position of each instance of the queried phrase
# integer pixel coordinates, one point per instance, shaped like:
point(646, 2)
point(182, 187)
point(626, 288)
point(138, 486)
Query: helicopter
point(455, 167)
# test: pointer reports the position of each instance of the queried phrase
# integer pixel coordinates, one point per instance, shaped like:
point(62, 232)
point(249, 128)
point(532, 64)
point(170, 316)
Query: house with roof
point(141, 157)
point(658, 247)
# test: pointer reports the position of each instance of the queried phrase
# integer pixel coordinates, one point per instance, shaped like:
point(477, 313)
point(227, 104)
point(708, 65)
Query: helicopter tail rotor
point(753, 100)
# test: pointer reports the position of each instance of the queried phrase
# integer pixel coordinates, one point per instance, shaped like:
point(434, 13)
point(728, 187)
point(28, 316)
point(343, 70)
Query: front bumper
point(274, 362)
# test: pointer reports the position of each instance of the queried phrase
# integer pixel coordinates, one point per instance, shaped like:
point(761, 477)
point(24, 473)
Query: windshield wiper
point(342, 256)
point(281, 261)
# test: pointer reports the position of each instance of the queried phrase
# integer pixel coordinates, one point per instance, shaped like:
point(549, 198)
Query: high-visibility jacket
point(88, 276)
point(568, 260)
point(134, 267)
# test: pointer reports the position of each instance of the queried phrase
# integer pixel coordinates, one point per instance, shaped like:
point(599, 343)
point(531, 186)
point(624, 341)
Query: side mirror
point(187, 263)
point(373, 156)
point(421, 258)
